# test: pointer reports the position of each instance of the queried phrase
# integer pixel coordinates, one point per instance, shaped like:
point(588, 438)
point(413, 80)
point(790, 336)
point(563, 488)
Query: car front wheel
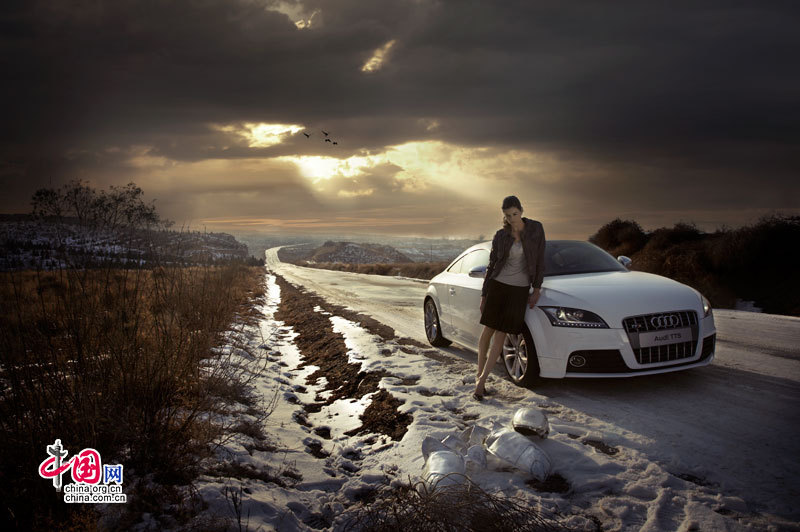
point(520, 359)
point(433, 328)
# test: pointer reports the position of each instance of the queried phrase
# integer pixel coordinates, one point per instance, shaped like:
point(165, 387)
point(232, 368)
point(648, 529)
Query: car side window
point(478, 257)
point(456, 267)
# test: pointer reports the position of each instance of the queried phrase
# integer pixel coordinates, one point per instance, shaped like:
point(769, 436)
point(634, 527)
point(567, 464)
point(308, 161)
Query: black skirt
point(504, 308)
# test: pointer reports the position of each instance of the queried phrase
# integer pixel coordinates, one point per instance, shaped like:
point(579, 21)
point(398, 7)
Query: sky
point(657, 112)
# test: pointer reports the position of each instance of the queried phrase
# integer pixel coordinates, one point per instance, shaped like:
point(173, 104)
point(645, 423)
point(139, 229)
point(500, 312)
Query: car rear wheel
point(520, 359)
point(433, 328)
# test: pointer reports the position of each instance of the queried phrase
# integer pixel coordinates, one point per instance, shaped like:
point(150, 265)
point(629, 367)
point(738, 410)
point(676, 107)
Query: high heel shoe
point(479, 396)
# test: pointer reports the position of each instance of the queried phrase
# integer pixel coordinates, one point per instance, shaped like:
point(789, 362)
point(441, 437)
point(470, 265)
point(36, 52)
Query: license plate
point(671, 336)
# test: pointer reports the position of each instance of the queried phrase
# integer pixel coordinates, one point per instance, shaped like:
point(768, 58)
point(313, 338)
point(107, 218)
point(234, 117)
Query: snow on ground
point(708, 449)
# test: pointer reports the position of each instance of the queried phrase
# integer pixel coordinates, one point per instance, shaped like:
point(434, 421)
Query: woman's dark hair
point(511, 201)
point(508, 202)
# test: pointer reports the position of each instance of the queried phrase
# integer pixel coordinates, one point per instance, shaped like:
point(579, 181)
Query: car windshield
point(565, 257)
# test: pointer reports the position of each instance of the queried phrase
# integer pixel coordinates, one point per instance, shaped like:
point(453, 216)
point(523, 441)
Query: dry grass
point(117, 360)
point(416, 270)
point(456, 508)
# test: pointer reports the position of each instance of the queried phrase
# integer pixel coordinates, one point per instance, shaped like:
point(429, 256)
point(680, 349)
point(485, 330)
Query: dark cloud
point(689, 96)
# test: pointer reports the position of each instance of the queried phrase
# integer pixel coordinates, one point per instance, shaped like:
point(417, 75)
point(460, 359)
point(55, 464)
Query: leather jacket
point(532, 246)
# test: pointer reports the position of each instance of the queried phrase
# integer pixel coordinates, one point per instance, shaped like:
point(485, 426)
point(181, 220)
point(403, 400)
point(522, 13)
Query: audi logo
point(667, 321)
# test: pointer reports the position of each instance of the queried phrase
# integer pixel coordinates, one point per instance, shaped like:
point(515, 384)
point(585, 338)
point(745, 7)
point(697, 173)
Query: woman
point(516, 263)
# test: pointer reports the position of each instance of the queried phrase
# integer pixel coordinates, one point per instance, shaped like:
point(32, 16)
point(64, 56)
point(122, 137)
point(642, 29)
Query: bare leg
point(497, 348)
point(483, 349)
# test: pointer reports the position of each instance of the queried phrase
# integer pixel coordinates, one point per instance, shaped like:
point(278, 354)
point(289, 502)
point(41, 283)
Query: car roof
point(487, 245)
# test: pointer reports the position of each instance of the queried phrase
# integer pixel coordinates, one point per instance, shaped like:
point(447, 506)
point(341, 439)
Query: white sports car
point(595, 318)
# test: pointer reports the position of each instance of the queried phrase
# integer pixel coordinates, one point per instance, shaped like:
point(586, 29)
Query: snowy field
point(714, 448)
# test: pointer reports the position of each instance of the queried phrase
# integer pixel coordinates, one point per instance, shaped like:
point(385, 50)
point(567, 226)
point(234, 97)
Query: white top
point(515, 270)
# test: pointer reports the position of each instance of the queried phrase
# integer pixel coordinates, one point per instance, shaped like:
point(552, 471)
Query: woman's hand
point(534, 297)
point(483, 302)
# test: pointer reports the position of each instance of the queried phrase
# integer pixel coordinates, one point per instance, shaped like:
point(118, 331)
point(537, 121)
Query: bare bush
point(620, 237)
point(119, 360)
point(120, 207)
point(457, 507)
point(757, 262)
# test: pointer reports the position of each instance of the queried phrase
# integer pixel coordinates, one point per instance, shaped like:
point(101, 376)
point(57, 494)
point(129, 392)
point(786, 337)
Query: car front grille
point(664, 353)
point(611, 361)
point(650, 322)
point(600, 361)
point(662, 321)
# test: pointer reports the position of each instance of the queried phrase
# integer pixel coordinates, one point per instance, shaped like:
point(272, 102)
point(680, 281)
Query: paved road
point(736, 422)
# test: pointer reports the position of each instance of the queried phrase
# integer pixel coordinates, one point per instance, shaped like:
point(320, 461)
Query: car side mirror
point(478, 271)
point(625, 261)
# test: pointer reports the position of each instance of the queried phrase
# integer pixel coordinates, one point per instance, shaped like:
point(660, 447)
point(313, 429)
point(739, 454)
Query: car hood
point(617, 295)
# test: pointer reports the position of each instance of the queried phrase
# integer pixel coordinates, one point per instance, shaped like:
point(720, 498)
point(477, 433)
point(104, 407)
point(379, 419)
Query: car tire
point(520, 358)
point(433, 327)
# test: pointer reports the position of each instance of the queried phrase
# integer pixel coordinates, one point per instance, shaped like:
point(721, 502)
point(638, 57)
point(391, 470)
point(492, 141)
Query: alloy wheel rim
point(431, 325)
point(515, 356)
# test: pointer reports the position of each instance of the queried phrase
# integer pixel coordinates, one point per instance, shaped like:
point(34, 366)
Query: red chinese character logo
point(87, 467)
point(52, 467)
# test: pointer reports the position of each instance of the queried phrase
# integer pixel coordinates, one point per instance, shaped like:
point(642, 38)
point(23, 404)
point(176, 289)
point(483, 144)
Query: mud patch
point(381, 416)
point(244, 471)
point(313, 408)
point(292, 399)
point(301, 419)
point(597, 444)
point(323, 432)
point(406, 381)
point(314, 448)
point(320, 346)
point(602, 447)
point(555, 483)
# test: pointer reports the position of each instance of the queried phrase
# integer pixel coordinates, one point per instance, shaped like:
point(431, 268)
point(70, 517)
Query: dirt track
point(321, 346)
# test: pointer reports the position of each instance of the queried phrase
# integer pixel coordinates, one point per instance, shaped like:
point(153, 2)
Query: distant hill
point(28, 243)
point(353, 253)
point(297, 245)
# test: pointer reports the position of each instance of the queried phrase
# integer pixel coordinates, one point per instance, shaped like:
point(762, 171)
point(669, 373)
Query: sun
point(261, 134)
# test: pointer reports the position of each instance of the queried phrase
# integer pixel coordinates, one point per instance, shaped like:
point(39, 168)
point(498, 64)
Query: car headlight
point(573, 317)
point(706, 306)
